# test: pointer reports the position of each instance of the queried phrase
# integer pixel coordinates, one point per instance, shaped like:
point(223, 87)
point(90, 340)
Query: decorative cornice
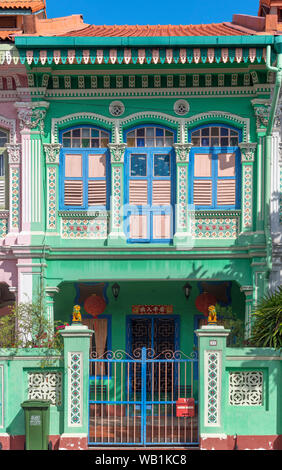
point(14, 153)
point(10, 125)
point(52, 152)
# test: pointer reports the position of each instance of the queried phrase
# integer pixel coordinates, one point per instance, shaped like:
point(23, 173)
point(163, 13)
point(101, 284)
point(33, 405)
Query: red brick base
point(73, 442)
point(241, 443)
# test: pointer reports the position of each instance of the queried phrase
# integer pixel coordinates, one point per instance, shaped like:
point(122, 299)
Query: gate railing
point(132, 399)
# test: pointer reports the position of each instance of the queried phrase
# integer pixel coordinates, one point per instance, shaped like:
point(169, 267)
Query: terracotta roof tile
point(213, 29)
point(33, 5)
point(4, 34)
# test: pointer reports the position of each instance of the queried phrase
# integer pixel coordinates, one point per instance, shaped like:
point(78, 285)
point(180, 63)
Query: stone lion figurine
point(212, 314)
point(76, 315)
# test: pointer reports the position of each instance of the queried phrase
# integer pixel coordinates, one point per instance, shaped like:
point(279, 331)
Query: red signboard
point(185, 408)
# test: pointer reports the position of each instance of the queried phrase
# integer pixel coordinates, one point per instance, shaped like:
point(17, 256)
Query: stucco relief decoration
point(117, 152)
point(262, 116)
point(182, 152)
point(116, 108)
point(31, 118)
point(248, 152)
point(52, 152)
point(181, 107)
point(14, 153)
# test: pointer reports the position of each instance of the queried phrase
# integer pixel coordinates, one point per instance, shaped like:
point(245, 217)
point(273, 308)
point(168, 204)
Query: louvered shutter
point(202, 192)
point(138, 192)
point(161, 193)
point(97, 184)
point(226, 188)
point(2, 192)
point(73, 193)
point(226, 193)
point(73, 188)
point(2, 181)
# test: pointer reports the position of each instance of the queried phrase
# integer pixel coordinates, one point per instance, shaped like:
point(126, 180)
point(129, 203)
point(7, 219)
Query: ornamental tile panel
point(212, 378)
point(3, 227)
point(75, 389)
point(222, 228)
point(84, 228)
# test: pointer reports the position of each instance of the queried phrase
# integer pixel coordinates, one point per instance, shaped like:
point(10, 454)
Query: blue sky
point(152, 11)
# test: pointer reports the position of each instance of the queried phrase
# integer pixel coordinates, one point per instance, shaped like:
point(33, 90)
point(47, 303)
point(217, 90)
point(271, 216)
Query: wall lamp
point(187, 290)
point(115, 290)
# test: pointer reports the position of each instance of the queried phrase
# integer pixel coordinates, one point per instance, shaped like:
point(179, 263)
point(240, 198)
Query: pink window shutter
point(161, 193)
point(161, 226)
point(202, 192)
point(138, 226)
point(226, 193)
point(138, 192)
point(73, 193)
point(97, 192)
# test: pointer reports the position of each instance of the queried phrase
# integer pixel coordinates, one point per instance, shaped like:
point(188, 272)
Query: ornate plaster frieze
point(32, 115)
point(182, 152)
point(14, 153)
point(52, 152)
point(138, 55)
point(248, 151)
point(117, 152)
point(261, 110)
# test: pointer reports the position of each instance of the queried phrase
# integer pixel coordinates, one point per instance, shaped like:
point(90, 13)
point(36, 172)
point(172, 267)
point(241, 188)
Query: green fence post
point(212, 352)
point(76, 386)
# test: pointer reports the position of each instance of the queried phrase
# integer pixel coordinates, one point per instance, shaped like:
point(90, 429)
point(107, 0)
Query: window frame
point(215, 151)
point(149, 210)
point(84, 152)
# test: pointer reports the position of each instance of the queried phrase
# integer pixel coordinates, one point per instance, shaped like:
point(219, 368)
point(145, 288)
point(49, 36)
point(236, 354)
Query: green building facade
point(145, 185)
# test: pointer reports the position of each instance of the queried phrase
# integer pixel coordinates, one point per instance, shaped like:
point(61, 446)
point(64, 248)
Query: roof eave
point(150, 41)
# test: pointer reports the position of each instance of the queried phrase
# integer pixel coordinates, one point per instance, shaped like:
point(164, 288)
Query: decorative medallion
point(181, 107)
point(246, 388)
point(116, 108)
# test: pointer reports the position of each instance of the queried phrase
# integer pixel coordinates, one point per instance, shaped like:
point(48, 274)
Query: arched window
point(85, 172)
point(3, 168)
point(149, 195)
point(214, 168)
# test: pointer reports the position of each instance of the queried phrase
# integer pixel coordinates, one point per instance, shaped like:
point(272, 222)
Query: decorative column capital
point(182, 152)
point(14, 153)
point(117, 152)
point(52, 152)
point(32, 115)
point(248, 290)
point(248, 150)
point(262, 110)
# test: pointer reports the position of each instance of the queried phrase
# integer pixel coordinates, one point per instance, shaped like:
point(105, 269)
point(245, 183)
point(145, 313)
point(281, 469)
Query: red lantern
point(203, 302)
point(94, 305)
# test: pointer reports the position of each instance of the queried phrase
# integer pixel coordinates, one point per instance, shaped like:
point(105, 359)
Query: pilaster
point(31, 117)
point(247, 161)
point(248, 291)
point(52, 154)
point(76, 387)
point(212, 388)
point(182, 222)
point(116, 235)
point(14, 160)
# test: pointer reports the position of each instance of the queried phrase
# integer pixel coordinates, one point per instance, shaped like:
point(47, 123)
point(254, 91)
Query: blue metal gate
point(132, 399)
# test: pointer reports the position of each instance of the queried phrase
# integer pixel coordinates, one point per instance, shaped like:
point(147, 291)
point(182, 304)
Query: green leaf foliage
point(267, 327)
